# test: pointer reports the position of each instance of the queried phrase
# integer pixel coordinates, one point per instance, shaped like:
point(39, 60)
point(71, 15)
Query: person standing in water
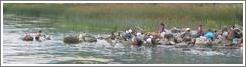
point(210, 36)
point(39, 35)
point(113, 36)
point(200, 31)
point(28, 37)
point(187, 37)
point(161, 30)
point(230, 36)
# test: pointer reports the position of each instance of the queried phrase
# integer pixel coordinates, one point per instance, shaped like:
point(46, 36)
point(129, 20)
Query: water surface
point(16, 51)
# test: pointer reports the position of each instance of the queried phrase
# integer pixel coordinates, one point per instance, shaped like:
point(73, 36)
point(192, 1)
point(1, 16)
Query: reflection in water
point(55, 51)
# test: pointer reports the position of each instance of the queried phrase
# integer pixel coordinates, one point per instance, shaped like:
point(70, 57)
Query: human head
point(39, 31)
point(151, 36)
point(215, 31)
point(187, 29)
point(130, 30)
point(174, 28)
point(232, 26)
point(138, 34)
point(200, 25)
point(162, 24)
point(127, 31)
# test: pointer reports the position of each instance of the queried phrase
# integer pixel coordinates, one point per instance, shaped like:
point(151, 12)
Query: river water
point(54, 51)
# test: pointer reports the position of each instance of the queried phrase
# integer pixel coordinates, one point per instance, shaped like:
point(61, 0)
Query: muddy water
point(16, 51)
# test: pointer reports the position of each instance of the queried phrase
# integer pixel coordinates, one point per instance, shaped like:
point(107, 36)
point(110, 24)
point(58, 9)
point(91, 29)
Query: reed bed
point(110, 17)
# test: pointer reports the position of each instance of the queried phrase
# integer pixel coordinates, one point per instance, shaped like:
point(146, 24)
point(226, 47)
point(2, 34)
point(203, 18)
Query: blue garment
point(210, 36)
point(128, 36)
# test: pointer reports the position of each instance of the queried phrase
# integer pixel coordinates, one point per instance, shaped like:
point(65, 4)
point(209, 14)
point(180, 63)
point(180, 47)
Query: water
point(16, 51)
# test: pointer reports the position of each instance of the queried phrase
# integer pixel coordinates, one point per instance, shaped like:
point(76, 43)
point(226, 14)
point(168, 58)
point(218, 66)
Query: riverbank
point(110, 17)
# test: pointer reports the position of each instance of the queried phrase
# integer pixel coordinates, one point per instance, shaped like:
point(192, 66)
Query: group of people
point(227, 36)
point(37, 36)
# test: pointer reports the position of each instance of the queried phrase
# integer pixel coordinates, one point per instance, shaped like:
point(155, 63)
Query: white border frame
point(243, 2)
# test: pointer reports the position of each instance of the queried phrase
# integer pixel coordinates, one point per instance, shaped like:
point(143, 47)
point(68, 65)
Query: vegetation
point(108, 17)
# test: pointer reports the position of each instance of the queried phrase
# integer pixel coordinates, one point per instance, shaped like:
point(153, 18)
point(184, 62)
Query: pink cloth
point(162, 29)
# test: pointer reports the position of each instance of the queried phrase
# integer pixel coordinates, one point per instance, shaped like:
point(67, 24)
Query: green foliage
point(122, 16)
point(211, 24)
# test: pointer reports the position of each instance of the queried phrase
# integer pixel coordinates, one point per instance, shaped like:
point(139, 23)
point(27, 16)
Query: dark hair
point(112, 32)
point(215, 31)
point(40, 31)
point(162, 24)
point(233, 26)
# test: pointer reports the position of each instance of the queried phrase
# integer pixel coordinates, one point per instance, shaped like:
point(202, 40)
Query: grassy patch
point(108, 17)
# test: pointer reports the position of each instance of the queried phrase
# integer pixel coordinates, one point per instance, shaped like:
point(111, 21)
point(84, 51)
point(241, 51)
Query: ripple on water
point(16, 51)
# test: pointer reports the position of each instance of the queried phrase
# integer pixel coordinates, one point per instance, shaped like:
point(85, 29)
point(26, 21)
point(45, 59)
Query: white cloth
point(162, 34)
point(225, 33)
point(149, 40)
point(130, 31)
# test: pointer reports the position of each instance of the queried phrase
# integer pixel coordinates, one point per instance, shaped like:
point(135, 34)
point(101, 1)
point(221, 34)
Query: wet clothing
point(128, 36)
point(220, 37)
point(137, 41)
point(210, 36)
point(138, 38)
point(186, 36)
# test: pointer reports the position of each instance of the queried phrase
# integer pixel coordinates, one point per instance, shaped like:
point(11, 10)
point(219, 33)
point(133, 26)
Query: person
point(230, 36)
point(236, 37)
point(139, 36)
point(137, 39)
point(161, 31)
point(187, 36)
point(28, 37)
point(39, 36)
point(220, 35)
point(128, 35)
point(231, 32)
point(200, 30)
point(113, 36)
point(210, 35)
point(162, 28)
point(237, 33)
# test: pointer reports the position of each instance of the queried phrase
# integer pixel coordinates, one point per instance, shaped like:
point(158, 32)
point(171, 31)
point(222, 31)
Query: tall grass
point(108, 17)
